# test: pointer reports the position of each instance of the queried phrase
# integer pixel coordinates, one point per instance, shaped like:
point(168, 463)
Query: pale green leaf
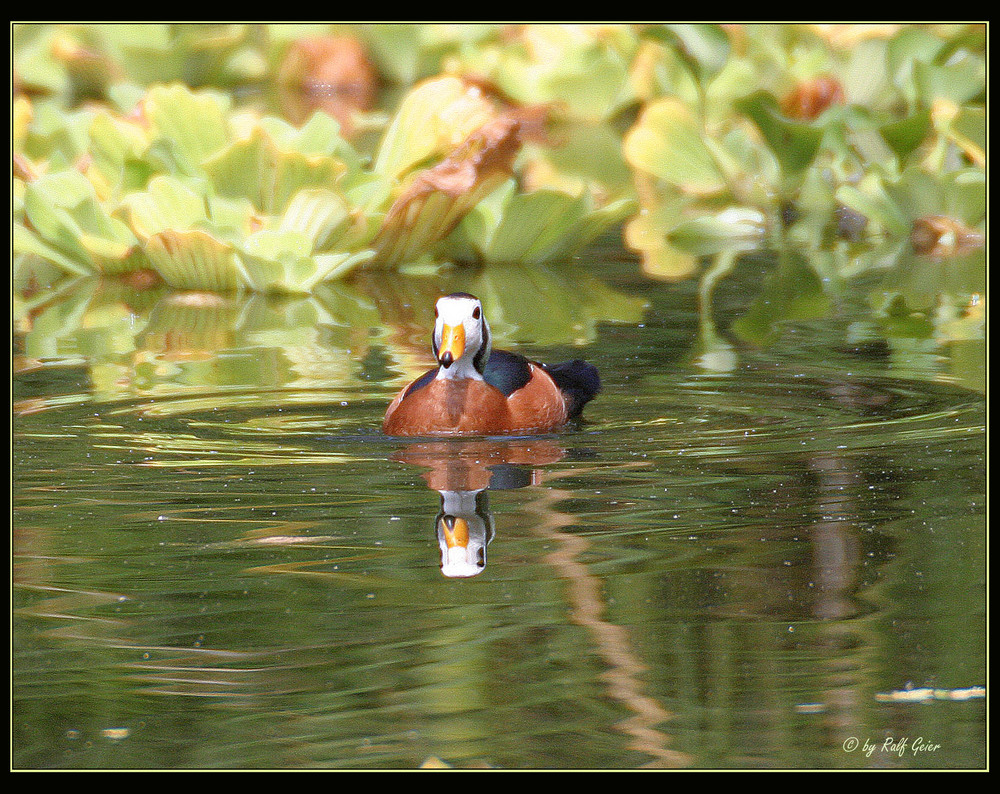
point(666, 142)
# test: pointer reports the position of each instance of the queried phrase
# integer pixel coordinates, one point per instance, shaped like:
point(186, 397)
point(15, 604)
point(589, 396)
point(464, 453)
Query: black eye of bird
point(475, 313)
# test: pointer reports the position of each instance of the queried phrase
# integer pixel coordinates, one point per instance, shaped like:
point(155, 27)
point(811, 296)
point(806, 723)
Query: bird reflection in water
point(464, 530)
point(462, 471)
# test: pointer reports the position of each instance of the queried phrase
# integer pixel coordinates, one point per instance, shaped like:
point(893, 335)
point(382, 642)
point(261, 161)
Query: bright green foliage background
point(679, 135)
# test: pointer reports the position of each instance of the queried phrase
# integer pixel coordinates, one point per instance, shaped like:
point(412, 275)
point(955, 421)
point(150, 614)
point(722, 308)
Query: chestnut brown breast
point(474, 407)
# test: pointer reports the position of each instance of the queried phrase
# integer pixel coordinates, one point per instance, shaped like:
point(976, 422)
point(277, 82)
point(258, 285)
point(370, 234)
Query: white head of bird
point(461, 336)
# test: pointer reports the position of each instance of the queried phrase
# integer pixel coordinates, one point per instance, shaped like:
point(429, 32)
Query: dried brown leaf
point(438, 198)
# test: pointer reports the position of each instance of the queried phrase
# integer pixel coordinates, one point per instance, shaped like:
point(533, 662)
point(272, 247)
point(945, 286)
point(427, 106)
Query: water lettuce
point(212, 198)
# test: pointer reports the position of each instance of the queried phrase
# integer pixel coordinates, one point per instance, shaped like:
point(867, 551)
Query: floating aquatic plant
point(842, 151)
point(436, 199)
point(536, 227)
point(584, 69)
point(868, 156)
point(209, 197)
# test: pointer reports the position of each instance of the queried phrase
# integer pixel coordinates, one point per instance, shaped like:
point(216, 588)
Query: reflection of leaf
point(792, 292)
point(736, 228)
point(59, 322)
point(189, 328)
point(646, 233)
point(549, 305)
point(920, 281)
point(714, 353)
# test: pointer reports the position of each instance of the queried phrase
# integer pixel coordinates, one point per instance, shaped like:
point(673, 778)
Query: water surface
point(755, 558)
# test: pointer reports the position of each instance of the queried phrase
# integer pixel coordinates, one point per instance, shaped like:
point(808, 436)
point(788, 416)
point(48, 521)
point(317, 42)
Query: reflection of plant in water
point(345, 338)
point(624, 677)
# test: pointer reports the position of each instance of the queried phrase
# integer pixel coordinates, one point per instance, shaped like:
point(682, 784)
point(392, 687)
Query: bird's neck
point(460, 370)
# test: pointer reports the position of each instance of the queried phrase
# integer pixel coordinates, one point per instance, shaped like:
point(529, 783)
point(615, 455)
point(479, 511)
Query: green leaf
point(910, 45)
point(396, 48)
point(195, 260)
point(24, 241)
point(321, 215)
point(534, 226)
point(793, 143)
point(959, 194)
point(168, 203)
point(965, 195)
point(542, 226)
point(905, 135)
point(64, 210)
point(433, 118)
point(590, 81)
point(958, 82)
point(666, 142)
point(916, 194)
point(792, 292)
point(703, 48)
point(436, 200)
point(319, 135)
point(282, 261)
point(926, 68)
point(57, 135)
point(871, 200)
point(258, 169)
point(590, 154)
point(193, 126)
point(118, 149)
point(968, 131)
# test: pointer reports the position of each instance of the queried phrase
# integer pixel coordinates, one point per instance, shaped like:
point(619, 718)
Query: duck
point(476, 390)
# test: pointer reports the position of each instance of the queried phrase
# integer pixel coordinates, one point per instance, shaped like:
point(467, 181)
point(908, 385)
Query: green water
point(751, 559)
